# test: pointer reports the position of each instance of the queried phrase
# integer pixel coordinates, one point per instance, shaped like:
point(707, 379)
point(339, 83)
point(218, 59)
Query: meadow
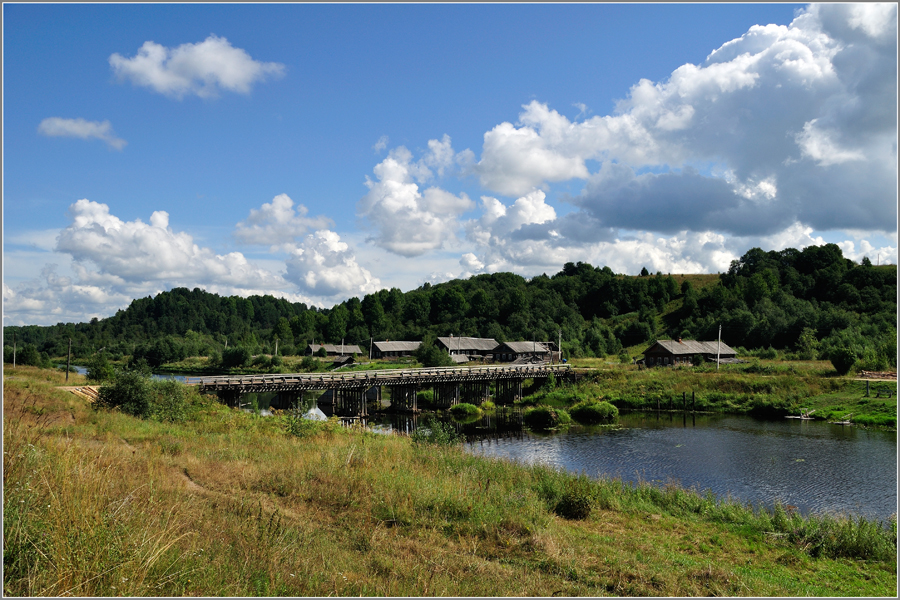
point(227, 503)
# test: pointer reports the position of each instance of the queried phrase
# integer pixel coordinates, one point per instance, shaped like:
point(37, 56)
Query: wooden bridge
point(351, 391)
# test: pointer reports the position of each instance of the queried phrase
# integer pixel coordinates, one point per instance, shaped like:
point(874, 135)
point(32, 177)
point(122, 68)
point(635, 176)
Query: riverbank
point(229, 504)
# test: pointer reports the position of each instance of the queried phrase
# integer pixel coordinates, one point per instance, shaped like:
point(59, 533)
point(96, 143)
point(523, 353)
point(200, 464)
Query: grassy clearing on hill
point(227, 503)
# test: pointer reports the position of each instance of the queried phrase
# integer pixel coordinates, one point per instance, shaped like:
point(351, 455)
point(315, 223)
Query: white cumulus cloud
point(410, 221)
point(323, 265)
point(200, 69)
point(278, 224)
point(81, 128)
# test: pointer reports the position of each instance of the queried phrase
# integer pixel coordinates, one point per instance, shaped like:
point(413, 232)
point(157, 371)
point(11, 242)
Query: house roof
point(691, 347)
point(459, 358)
point(523, 347)
point(336, 348)
point(397, 346)
point(468, 343)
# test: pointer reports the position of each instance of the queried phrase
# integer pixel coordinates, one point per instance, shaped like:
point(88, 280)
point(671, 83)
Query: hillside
point(807, 302)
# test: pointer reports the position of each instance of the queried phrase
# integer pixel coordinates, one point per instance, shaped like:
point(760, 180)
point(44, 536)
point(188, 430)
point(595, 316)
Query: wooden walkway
point(451, 385)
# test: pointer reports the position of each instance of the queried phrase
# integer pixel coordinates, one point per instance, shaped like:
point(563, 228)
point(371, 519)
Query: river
point(813, 465)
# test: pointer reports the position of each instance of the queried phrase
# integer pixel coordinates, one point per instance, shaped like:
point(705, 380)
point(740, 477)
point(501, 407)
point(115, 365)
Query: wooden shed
point(335, 349)
point(517, 351)
point(681, 352)
point(474, 348)
point(388, 349)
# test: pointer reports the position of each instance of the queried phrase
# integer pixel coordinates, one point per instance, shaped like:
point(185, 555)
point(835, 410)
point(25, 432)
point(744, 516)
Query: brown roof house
point(469, 346)
point(681, 352)
point(392, 349)
point(335, 349)
point(521, 352)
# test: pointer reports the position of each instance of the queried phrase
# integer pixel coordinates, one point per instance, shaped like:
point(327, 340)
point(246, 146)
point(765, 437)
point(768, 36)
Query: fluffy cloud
point(785, 124)
point(202, 68)
point(278, 224)
point(80, 128)
point(325, 266)
point(409, 221)
point(133, 251)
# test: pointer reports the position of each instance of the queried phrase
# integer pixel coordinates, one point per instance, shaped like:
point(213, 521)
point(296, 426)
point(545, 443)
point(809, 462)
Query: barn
point(681, 352)
point(389, 349)
point(335, 349)
point(474, 348)
point(521, 351)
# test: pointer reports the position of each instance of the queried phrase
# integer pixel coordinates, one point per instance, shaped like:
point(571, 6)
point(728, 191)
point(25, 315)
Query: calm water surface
point(815, 466)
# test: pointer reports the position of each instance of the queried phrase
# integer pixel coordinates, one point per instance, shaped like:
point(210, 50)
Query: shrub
point(322, 352)
point(435, 432)
point(843, 359)
point(99, 369)
point(488, 405)
point(129, 391)
point(541, 417)
point(578, 499)
point(591, 413)
point(464, 409)
point(236, 356)
point(168, 401)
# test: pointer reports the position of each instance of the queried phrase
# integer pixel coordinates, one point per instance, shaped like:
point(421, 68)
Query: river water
point(816, 466)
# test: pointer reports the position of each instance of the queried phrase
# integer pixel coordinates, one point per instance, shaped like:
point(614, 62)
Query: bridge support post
point(403, 398)
point(351, 402)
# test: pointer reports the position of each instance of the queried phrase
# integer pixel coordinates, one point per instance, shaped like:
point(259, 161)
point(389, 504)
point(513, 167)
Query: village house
point(681, 352)
point(335, 349)
point(473, 348)
point(522, 352)
point(389, 349)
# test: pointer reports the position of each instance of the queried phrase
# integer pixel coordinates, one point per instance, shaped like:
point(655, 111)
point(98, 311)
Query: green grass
point(226, 503)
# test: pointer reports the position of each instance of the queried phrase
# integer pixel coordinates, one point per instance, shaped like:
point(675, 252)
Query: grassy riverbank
point(229, 504)
point(764, 388)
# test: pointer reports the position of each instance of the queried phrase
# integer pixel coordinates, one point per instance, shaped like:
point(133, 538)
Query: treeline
point(806, 302)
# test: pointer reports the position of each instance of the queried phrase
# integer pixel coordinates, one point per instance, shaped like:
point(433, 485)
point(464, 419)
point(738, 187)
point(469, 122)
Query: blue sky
point(316, 152)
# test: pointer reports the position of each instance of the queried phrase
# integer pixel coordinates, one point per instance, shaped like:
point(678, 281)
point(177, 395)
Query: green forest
point(811, 304)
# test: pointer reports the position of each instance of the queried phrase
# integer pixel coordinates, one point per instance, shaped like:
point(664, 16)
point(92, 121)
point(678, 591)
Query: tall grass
point(227, 503)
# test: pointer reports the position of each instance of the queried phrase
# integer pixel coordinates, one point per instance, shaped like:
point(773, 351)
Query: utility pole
point(719, 347)
point(14, 350)
point(371, 340)
point(560, 345)
point(68, 360)
point(276, 346)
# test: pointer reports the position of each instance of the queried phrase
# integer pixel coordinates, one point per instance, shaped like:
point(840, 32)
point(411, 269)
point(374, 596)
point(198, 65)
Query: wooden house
point(335, 349)
point(394, 349)
point(682, 352)
point(473, 348)
point(521, 352)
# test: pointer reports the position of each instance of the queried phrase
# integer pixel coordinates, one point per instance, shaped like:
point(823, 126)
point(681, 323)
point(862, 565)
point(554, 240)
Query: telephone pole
point(719, 347)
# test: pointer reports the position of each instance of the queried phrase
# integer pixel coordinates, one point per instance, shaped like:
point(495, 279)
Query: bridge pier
point(351, 402)
point(475, 392)
point(508, 391)
point(446, 394)
point(403, 398)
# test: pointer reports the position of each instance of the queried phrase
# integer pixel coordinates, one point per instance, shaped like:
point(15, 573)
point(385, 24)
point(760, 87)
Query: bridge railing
point(374, 376)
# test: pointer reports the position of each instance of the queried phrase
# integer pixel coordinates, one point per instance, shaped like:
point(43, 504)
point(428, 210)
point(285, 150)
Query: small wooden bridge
point(350, 391)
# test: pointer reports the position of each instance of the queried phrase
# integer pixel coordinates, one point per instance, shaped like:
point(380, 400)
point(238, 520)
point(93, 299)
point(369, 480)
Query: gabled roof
point(465, 344)
point(459, 358)
point(336, 348)
point(691, 347)
point(397, 346)
point(523, 347)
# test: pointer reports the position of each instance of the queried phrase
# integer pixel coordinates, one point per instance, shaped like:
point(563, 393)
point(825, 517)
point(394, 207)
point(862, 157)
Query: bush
point(99, 369)
point(464, 410)
point(544, 417)
point(435, 432)
point(488, 405)
point(592, 412)
point(129, 391)
point(168, 400)
point(843, 359)
point(578, 499)
point(236, 356)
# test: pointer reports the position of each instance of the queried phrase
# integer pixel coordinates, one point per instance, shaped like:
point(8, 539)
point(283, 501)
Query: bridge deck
point(383, 377)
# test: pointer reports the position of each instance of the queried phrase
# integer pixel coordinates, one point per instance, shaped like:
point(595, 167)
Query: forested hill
point(805, 302)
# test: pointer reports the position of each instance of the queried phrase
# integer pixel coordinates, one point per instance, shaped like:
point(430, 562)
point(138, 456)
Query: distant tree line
point(809, 303)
